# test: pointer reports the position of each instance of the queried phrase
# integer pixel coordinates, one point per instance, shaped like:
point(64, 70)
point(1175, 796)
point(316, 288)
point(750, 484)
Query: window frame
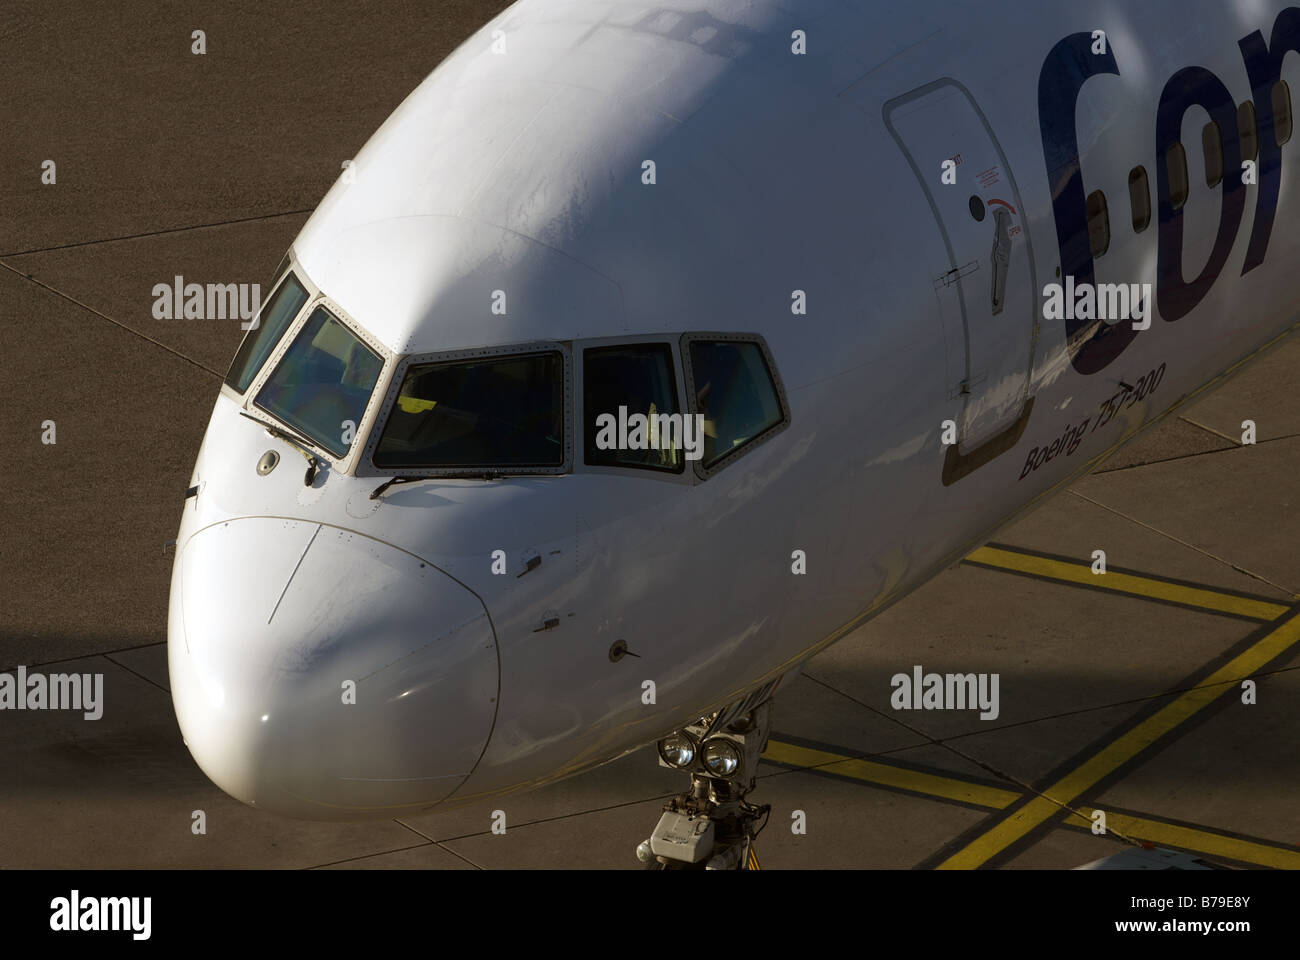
point(580, 348)
point(315, 298)
point(1282, 87)
point(388, 399)
point(1177, 149)
point(1247, 108)
point(1212, 148)
point(346, 464)
point(290, 336)
point(1135, 176)
point(288, 264)
point(1103, 218)
point(688, 376)
point(282, 272)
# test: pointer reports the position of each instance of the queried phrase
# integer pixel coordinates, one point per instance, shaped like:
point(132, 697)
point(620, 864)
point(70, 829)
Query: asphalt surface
point(169, 163)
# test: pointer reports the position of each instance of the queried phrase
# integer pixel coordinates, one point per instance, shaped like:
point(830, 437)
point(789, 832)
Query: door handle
point(1001, 257)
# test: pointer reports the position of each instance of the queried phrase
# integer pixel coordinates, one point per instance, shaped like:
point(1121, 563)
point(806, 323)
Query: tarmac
point(1121, 694)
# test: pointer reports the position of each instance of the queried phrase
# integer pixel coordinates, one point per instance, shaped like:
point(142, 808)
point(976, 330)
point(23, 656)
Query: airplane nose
point(322, 674)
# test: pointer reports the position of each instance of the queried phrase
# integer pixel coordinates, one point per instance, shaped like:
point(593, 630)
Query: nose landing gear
point(713, 826)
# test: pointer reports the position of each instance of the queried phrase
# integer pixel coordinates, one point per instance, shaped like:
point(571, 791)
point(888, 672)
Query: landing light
point(721, 758)
point(677, 750)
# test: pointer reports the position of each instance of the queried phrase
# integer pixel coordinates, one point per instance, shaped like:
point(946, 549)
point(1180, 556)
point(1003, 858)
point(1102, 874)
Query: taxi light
point(677, 750)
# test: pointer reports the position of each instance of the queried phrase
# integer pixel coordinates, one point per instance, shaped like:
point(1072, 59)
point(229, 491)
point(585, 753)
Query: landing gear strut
point(712, 826)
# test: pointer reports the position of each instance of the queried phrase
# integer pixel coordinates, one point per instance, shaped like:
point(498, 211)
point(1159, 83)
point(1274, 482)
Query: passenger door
point(986, 289)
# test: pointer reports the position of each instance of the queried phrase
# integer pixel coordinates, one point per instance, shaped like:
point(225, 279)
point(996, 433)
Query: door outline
point(958, 464)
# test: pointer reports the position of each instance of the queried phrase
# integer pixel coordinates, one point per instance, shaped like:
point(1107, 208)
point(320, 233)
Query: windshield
point(505, 412)
point(735, 394)
point(323, 383)
point(271, 323)
point(627, 380)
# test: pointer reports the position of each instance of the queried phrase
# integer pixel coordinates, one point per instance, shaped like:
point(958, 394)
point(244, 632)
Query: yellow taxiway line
point(1197, 839)
point(1194, 838)
point(1130, 744)
point(1125, 748)
point(1080, 574)
point(887, 775)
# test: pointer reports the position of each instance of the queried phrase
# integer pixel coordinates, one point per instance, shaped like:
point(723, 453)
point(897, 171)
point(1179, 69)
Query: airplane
point(645, 352)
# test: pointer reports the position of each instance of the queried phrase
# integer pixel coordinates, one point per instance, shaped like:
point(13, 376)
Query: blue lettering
point(1264, 66)
point(1067, 67)
point(1188, 87)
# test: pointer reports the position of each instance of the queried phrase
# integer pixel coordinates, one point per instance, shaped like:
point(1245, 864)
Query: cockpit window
point(323, 383)
point(499, 412)
point(735, 392)
point(630, 408)
point(272, 321)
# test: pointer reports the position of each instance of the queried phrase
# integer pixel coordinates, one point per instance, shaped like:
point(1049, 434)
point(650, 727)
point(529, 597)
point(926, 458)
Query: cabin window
point(1246, 131)
point(735, 392)
point(1098, 224)
point(272, 321)
point(1176, 164)
point(1281, 112)
point(498, 412)
point(323, 381)
point(1139, 198)
point(619, 382)
point(1212, 144)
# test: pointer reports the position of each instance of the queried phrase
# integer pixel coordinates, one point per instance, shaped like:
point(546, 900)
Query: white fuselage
point(519, 166)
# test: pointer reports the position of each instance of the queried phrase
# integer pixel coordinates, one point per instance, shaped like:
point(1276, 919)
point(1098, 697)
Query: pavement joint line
point(943, 741)
point(1169, 536)
point(84, 656)
point(156, 233)
point(1128, 583)
point(420, 833)
point(459, 856)
point(137, 673)
point(996, 799)
point(1132, 827)
point(1207, 429)
point(890, 775)
point(1103, 470)
point(1249, 850)
point(557, 817)
point(366, 856)
point(1127, 747)
point(1218, 381)
point(929, 740)
point(103, 316)
point(946, 742)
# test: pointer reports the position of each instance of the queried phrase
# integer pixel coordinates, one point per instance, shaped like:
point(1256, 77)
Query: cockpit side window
point(272, 321)
point(323, 383)
point(736, 393)
point(630, 415)
point(495, 412)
